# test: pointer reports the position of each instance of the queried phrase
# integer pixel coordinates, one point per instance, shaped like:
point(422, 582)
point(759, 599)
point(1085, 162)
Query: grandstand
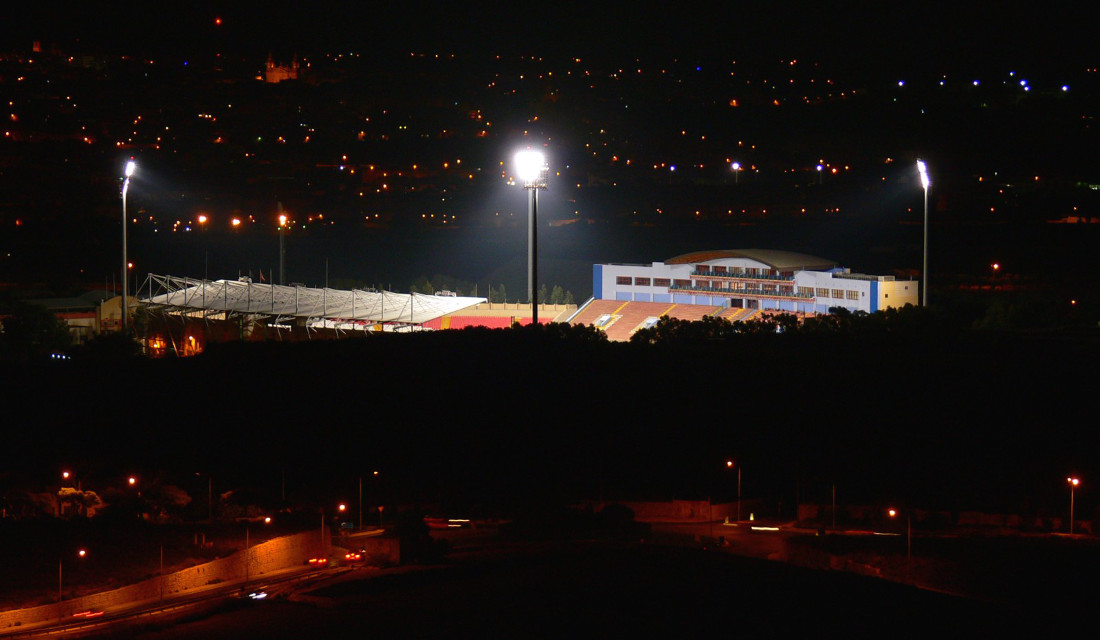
point(736, 285)
point(752, 279)
point(186, 313)
point(620, 320)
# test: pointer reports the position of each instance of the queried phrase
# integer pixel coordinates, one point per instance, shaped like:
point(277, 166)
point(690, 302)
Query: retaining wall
point(280, 553)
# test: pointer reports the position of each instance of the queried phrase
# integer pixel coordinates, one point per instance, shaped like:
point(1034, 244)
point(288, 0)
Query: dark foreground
point(607, 590)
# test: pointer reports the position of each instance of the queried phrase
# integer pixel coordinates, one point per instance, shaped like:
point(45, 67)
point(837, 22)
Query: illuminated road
point(122, 620)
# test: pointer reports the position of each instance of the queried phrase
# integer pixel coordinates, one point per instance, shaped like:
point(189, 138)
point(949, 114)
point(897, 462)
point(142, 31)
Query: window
point(719, 269)
point(623, 280)
point(838, 294)
point(661, 282)
point(681, 283)
point(822, 292)
point(641, 282)
point(852, 295)
point(806, 291)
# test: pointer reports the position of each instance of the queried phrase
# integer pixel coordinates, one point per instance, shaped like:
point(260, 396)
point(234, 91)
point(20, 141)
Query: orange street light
point(729, 465)
point(1073, 482)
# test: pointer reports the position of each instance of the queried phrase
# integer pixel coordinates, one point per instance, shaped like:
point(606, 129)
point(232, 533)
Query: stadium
point(180, 315)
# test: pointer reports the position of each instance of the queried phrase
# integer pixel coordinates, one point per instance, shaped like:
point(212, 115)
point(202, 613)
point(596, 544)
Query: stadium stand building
point(735, 285)
point(752, 279)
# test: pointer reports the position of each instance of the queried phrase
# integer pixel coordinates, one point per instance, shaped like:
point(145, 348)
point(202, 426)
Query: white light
point(923, 169)
point(736, 166)
point(131, 166)
point(530, 165)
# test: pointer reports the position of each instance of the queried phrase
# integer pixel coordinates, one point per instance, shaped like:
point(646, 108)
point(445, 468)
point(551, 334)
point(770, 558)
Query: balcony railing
point(745, 293)
point(741, 276)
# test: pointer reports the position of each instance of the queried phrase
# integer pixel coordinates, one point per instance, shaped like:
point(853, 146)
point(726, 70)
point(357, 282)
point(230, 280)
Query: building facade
point(752, 279)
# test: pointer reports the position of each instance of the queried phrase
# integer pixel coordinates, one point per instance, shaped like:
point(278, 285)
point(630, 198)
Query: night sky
point(911, 36)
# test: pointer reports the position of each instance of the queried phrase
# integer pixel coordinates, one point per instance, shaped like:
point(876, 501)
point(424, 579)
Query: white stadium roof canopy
point(244, 297)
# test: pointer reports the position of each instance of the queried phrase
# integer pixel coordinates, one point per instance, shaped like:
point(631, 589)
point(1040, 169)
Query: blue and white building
point(752, 279)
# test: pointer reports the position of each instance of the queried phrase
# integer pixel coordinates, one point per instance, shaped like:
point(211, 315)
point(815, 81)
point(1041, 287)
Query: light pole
point(736, 166)
point(131, 166)
point(729, 465)
point(908, 539)
point(282, 252)
point(248, 551)
point(925, 182)
point(531, 168)
point(1073, 482)
point(60, 561)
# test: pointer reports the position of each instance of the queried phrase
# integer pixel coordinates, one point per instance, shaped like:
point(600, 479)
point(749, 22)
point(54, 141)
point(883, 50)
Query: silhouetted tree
point(31, 331)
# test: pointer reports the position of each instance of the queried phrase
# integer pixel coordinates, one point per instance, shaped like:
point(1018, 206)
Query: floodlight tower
point(131, 166)
point(925, 182)
point(531, 167)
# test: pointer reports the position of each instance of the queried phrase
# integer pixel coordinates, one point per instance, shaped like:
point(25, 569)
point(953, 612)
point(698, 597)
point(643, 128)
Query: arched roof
point(771, 257)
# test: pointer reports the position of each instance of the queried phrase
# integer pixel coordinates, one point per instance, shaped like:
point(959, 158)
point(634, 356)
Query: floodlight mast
point(922, 168)
point(531, 167)
point(131, 166)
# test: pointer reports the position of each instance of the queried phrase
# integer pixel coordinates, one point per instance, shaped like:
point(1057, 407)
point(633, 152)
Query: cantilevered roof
point(772, 258)
point(278, 301)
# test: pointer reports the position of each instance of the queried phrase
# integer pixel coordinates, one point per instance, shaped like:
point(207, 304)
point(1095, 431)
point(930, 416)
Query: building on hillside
point(274, 73)
point(752, 279)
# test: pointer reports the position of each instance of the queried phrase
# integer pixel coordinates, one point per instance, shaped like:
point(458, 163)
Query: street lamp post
point(729, 465)
point(736, 166)
point(908, 540)
point(282, 251)
point(1073, 482)
point(60, 561)
point(131, 166)
point(925, 182)
point(531, 168)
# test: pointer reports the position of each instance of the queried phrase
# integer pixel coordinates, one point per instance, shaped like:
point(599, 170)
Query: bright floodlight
point(531, 167)
point(923, 169)
point(130, 167)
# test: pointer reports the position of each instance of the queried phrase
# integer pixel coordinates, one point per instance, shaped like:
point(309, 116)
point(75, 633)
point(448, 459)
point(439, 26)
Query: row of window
point(821, 292)
point(644, 282)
